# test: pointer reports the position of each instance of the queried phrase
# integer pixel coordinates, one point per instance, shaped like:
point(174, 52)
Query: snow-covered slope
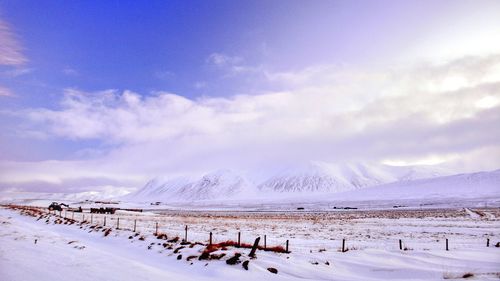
point(223, 183)
point(106, 193)
point(315, 181)
point(323, 177)
point(311, 177)
point(472, 185)
point(326, 177)
point(160, 188)
point(215, 185)
point(409, 173)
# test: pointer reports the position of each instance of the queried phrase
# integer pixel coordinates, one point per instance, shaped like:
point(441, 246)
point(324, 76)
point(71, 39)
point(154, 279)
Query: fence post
point(91, 218)
point(487, 242)
point(210, 240)
point(446, 244)
point(135, 224)
point(400, 244)
point(343, 245)
point(265, 242)
point(239, 239)
point(118, 223)
point(186, 234)
point(104, 220)
point(156, 232)
point(254, 247)
point(286, 249)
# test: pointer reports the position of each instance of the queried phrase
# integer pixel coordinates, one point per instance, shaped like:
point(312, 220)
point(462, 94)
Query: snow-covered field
point(81, 251)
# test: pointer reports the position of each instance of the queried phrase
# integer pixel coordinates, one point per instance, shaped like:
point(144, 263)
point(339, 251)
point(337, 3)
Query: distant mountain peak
point(306, 177)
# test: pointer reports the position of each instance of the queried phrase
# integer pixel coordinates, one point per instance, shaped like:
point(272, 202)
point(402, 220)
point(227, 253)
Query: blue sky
point(164, 45)
point(87, 84)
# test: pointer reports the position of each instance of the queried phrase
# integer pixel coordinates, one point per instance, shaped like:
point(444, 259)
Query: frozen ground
point(80, 251)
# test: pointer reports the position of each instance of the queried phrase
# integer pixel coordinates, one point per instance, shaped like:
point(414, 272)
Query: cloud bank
point(445, 111)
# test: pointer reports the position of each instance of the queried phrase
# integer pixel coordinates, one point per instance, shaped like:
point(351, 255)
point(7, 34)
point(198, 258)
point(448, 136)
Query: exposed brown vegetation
point(107, 232)
point(229, 243)
point(162, 236)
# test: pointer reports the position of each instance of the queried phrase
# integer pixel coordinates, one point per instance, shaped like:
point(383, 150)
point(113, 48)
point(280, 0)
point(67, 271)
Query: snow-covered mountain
point(215, 185)
point(223, 183)
point(311, 177)
point(324, 177)
point(470, 185)
point(409, 173)
point(160, 188)
point(327, 177)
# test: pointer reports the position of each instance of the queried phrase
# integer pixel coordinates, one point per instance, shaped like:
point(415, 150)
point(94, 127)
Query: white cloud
point(6, 92)
point(219, 59)
point(200, 85)
point(488, 102)
point(10, 49)
point(320, 102)
point(427, 160)
point(469, 28)
point(164, 75)
point(18, 71)
point(328, 113)
point(70, 71)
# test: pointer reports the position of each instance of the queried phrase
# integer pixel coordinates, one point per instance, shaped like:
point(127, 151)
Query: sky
point(97, 95)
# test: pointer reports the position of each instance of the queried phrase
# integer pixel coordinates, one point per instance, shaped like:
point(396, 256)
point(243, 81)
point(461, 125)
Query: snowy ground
point(69, 248)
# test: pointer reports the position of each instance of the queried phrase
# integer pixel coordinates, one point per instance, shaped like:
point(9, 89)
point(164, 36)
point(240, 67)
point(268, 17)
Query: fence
point(156, 225)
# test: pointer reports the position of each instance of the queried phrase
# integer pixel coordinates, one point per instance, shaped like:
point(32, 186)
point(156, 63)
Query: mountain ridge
point(305, 178)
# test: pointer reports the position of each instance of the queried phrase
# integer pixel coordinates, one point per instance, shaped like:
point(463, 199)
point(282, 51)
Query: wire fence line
point(156, 223)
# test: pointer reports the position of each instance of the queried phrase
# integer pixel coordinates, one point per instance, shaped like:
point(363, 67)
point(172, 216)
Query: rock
point(272, 270)
point(176, 251)
point(245, 264)
point(179, 257)
point(234, 260)
point(468, 275)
